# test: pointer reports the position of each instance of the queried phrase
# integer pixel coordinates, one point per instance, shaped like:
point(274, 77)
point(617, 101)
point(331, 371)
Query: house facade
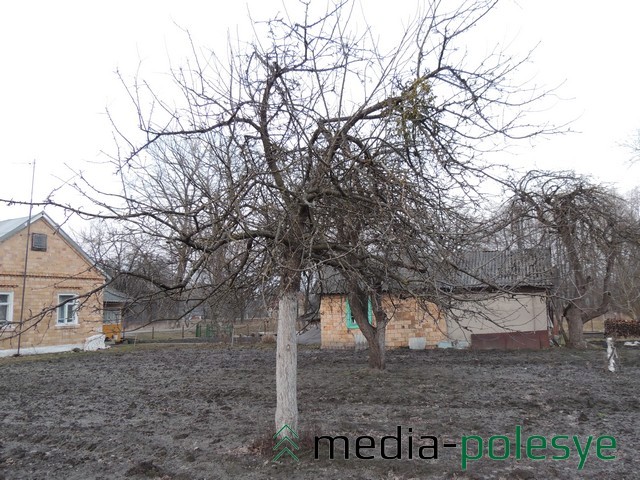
point(62, 289)
point(506, 322)
point(410, 323)
point(495, 300)
point(115, 303)
point(502, 300)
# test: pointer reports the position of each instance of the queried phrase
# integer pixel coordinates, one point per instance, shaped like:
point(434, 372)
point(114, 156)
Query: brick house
point(496, 300)
point(411, 321)
point(63, 297)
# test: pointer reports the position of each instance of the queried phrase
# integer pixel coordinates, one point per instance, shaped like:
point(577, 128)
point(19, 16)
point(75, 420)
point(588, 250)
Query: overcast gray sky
point(58, 63)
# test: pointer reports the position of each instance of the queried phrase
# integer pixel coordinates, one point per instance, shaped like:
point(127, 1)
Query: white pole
point(612, 355)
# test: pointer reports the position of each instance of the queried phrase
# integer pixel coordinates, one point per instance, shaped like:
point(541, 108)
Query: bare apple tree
point(591, 232)
point(312, 145)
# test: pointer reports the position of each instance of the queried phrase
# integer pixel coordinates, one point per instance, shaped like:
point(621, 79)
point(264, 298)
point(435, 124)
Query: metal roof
point(331, 281)
point(9, 227)
point(503, 269)
point(111, 295)
point(472, 270)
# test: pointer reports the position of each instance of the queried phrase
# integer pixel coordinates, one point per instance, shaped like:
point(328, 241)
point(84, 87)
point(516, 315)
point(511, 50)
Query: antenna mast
point(26, 258)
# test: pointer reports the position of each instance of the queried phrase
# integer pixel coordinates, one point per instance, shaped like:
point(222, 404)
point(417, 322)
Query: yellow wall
point(59, 270)
point(408, 319)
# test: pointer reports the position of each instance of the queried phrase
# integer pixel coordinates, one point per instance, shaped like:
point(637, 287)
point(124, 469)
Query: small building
point(409, 319)
point(115, 303)
point(62, 289)
point(502, 300)
point(494, 300)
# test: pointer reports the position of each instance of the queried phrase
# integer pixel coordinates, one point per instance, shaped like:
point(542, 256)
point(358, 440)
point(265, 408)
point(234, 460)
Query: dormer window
point(39, 242)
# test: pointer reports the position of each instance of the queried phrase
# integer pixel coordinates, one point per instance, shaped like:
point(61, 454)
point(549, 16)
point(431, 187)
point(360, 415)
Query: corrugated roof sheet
point(471, 271)
point(9, 227)
point(504, 269)
point(332, 281)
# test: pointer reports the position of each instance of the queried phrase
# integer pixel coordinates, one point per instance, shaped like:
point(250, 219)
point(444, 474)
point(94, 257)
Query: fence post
point(153, 333)
point(183, 332)
point(612, 355)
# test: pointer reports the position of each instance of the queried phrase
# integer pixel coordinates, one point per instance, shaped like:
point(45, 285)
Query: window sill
point(67, 325)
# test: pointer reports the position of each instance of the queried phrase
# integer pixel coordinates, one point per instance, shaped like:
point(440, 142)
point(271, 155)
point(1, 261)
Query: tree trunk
point(377, 349)
point(375, 336)
point(574, 322)
point(286, 362)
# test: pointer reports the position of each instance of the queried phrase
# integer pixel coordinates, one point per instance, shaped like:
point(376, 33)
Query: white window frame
point(63, 308)
point(9, 304)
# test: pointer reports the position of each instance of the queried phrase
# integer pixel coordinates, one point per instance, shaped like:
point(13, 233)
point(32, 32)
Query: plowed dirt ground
point(206, 412)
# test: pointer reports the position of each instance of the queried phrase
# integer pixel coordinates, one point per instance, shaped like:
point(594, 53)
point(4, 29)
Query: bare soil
point(206, 412)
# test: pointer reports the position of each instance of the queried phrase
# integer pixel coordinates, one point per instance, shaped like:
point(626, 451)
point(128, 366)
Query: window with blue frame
point(351, 322)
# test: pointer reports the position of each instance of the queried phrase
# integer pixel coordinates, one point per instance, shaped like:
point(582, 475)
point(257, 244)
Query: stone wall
point(408, 319)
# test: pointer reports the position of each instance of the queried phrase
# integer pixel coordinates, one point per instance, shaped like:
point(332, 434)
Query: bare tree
point(162, 259)
point(626, 279)
point(633, 146)
point(313, 146)
point(588, 228)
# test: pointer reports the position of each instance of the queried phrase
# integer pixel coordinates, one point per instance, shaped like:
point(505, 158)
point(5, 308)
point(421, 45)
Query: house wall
point(408, 319)
point(498, 315)
point(59, 270)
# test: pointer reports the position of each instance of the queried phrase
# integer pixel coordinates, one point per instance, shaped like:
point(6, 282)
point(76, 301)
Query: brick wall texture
point(59, 270)
point(408, 319)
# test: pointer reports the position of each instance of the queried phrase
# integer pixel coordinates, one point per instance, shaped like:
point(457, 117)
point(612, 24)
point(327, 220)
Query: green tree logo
point(285, 443)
